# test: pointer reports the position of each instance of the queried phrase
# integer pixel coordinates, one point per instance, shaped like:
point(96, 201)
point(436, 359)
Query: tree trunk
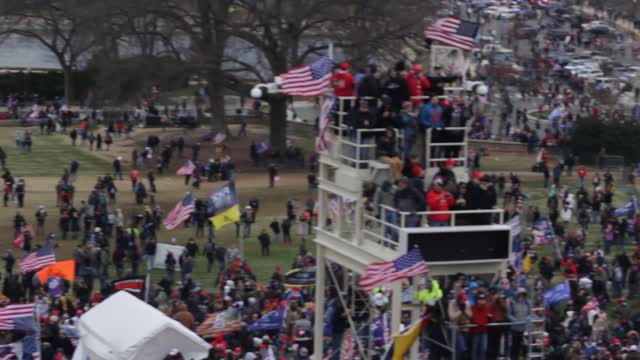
point(278, 123)
point(216, 99)
point(68, 83)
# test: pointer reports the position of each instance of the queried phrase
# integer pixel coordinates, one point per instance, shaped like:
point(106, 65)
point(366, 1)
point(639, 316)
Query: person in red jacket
point(582, 173)
point(418, 83)
point(343, 84)
point(570, 269)
point(439, 199)
point(480, 316)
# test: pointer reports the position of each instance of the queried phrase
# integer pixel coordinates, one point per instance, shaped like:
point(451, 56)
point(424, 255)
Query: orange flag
point(62, 269)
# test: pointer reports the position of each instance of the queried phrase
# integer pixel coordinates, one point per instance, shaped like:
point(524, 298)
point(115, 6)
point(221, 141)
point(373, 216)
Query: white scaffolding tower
point(349, 237)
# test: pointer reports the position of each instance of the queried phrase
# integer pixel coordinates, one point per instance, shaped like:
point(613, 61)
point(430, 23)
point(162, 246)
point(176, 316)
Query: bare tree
point(287, 32)
point(65, 27)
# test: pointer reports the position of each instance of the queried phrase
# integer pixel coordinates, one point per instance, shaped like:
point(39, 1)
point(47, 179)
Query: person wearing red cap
point(459, 311)
point(418, 83)
point(343, 84)
point(439, 199)
point(448, 176)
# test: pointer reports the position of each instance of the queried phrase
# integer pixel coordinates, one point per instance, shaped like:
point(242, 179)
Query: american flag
point(7, 352)
point(348, 346)
point(407, 265)
point(186, 169)
point(38, 259)
point(308, 80)
point(19, 240)
point(18, 317)
point(30, 347)
point(454, 32)
point(325, 119)
point(220, 322)
point(180, 213)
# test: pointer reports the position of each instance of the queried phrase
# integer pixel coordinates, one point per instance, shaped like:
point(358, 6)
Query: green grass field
point(43, 166)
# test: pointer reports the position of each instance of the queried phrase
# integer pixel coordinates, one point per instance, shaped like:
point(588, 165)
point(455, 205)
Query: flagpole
point(147, 281)
point(330, 52)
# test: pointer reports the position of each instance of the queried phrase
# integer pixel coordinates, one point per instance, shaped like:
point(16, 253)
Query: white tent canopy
point(124, 327)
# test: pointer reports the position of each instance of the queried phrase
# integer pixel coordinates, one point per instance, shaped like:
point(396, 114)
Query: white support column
point(396, 307)
point(318, 322)
point(357, 231)
point(415, 348)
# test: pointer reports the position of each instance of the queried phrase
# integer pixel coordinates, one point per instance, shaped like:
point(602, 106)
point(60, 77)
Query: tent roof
point(125, 327)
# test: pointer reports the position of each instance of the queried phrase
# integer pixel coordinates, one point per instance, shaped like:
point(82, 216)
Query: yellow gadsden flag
point(402, 342)
point(229, 216)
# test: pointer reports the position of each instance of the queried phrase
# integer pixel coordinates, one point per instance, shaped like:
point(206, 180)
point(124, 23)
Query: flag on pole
point(542, 231)
point(628, 209)
point(402, 342)
point(516, 229)
point(7, 352)
point(56, 287)
point(348, 347)
point(18, 242)
point(385, 272)
point(135, 285)
point(454, 32)
point(62, 269)
point(220, 322)
point(180, 213)
point(187, 169)
point(223, 204)
point(272, 321)
point(323, 123)
point(18, 317)
point(38, 259)
point(560, 292)
point(30, 347)
point(308, 80)
point(219, 138)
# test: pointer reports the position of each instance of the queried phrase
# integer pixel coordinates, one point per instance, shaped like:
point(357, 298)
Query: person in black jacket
point(408, 199)
point(480, 196)
point(369, 87)
point(386, 152)
point(362, 118)
point(396, 88)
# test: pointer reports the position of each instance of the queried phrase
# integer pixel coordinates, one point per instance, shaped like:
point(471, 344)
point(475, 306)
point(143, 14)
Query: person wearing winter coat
point(417, 82)
point(396, 88)
point(439, 199)
point(480, 316)
point(459, 311)
point(519, 311)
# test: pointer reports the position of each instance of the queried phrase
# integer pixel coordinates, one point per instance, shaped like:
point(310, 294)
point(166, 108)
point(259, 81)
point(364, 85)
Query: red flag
point(19, 240)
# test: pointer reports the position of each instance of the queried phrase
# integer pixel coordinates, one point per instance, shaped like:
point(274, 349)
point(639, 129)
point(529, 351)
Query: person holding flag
point(223, 204)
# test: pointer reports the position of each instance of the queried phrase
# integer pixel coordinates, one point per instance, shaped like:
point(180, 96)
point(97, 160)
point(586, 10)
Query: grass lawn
point(49, 156)
point(43, 166)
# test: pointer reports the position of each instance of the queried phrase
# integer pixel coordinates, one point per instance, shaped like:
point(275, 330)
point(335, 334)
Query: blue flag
point(272, 321)
point(223, 198)
point(56, 287)
point(560, 292)
point(628, 209)
point(542, 231)
point(380, 330)
point(516, 228)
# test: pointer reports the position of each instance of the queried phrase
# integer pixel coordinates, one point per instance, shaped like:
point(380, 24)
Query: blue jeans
point(364, 151)
point(479, 346)
point(461, 345)
point(438, 222)
point(409, 140)
point(390, 217)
